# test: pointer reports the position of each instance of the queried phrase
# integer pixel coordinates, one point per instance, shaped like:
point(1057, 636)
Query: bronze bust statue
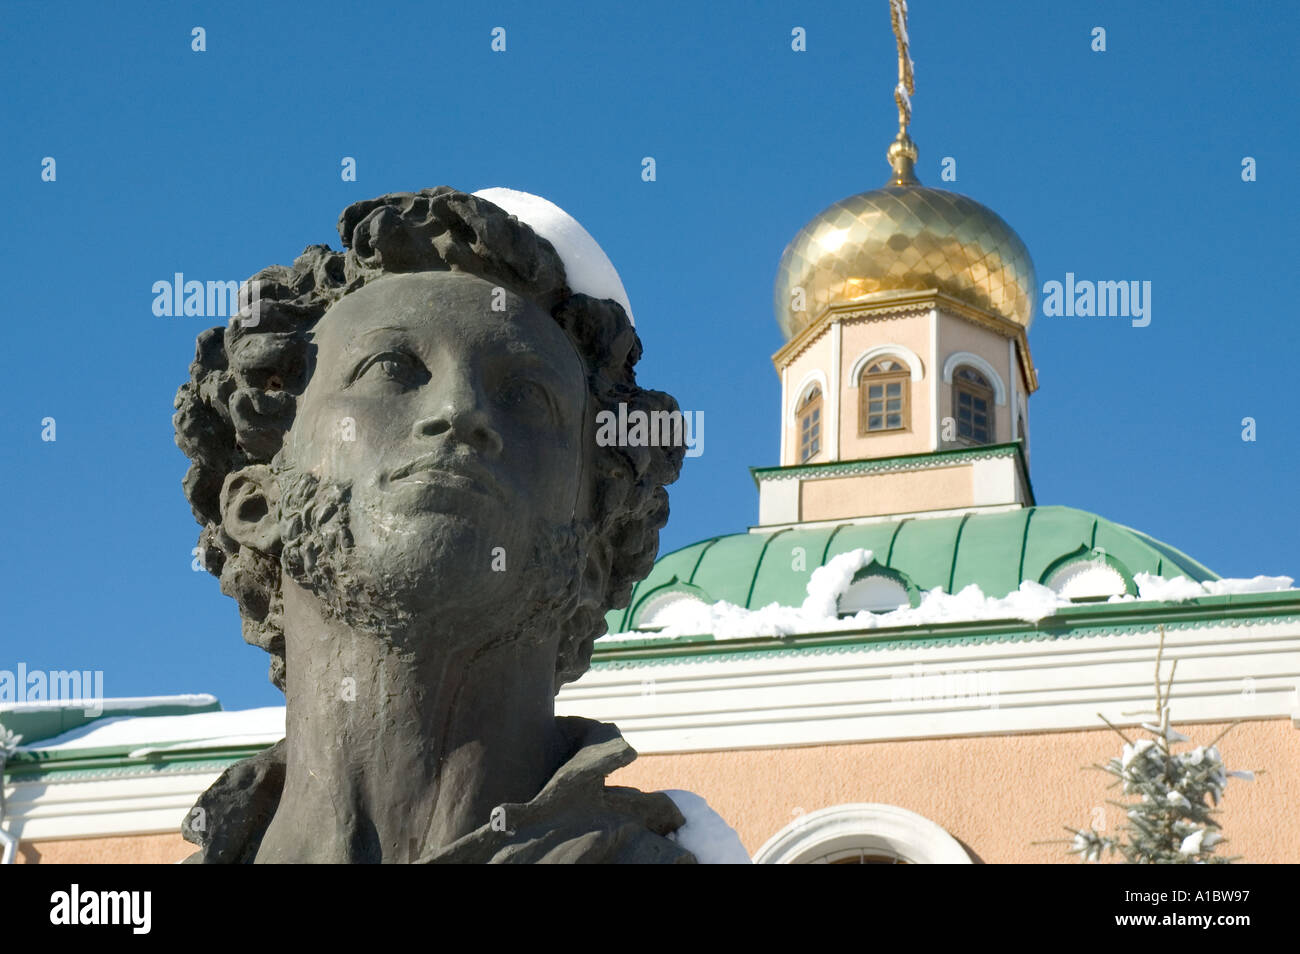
point(394, 465)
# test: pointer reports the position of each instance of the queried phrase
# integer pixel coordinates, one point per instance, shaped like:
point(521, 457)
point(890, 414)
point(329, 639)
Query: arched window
point(1088, 573)
point(810, 424)
point(859, 856)
point(883, 402)
point(862, 834)
point(668, 607)
point(1086, 580)
point(972, 399)
point(875, 594)
point(877, 589)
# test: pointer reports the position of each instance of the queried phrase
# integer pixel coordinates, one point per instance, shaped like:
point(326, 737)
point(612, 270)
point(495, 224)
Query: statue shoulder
point(230, 818)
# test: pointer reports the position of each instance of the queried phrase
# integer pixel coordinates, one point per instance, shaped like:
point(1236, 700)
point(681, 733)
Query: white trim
point(149, 803)
point(1011, 369)
point(817, 376)
point(965, 357)
point(833, 415)
point(778, 502)
point(785, 397)
point(995, 481)
point(1226, 671)
point(934, 379)
point(881, 829)
point(890, 350)
point(1023, 410)
point(856, 521)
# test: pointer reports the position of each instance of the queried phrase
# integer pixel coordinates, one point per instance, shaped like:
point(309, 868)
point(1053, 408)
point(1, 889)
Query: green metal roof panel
point(1052, 532)
point(876, 537)
point(1120, 543)
point(924, 549)
point(1134, 550)
point(778, 580)
point(677, 566)
point(989, 552)
point(728, 568)
point(1193, 569)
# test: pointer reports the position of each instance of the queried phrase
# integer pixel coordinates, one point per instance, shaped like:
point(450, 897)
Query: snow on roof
point(123, 702)
point(152, 733)
point(1180, 588)
point(818, 613)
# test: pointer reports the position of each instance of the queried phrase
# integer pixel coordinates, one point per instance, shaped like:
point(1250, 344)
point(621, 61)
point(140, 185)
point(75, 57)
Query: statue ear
point(250, 510)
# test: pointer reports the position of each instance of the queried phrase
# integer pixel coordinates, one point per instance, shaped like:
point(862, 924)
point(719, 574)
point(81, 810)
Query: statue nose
point(466, 421)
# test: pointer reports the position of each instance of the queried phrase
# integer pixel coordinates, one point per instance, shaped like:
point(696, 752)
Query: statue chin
point(447, 567)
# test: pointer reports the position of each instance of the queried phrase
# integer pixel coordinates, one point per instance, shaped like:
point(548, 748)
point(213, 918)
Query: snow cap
point(587, 267)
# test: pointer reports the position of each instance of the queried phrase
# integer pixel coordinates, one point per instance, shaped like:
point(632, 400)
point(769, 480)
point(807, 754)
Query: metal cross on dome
point(906, 86)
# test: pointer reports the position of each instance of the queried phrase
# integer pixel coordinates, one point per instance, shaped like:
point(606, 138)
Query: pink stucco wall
point(995, 794)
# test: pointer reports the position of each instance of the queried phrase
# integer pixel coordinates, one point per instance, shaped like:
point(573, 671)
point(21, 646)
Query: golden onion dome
point(905, 237)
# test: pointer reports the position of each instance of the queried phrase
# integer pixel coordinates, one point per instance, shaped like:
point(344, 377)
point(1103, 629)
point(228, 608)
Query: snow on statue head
point(241, 421)
point(588, 268)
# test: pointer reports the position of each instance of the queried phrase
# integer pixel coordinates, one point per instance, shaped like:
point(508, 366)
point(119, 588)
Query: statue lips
point(455, 473)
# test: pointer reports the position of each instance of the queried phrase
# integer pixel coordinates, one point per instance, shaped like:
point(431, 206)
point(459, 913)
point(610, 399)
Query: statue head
point(406, 431)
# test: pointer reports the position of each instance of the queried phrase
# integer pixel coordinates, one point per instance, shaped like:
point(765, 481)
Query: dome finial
point(902, 151)
point(902, 157)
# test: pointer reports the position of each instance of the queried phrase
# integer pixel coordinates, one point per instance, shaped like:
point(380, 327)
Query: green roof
point(36, 721)
point(996, 551)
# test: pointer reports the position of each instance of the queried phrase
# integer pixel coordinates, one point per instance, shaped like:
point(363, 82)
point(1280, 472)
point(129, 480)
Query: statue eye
point(400, 367)
point(525, 393)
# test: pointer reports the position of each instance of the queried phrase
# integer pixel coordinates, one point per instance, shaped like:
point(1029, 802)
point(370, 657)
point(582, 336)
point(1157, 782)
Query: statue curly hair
point(240, 400)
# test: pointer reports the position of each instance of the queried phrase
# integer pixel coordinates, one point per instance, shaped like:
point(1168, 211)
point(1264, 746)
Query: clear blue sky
point(1117, 165)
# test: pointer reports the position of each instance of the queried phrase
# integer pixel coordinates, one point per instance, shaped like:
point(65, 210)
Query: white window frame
point(874, 828)
point(958, 358)
point(902, 353)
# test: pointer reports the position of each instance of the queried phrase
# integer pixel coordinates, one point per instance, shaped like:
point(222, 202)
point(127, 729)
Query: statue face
point(459, 429)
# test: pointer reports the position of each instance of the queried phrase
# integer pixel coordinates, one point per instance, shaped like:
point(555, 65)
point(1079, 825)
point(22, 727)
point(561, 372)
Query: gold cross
point(906, 87)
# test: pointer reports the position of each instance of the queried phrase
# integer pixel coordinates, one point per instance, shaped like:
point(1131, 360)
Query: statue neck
point(392, 749)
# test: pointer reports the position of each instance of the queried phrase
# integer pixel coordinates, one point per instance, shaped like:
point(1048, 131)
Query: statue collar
point(575, 818)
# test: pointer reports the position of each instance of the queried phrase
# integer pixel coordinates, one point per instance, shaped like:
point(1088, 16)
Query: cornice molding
point(894, 304)
point(906, 462)
point(1076, 622)
point(1056, 681)
point(35, 766)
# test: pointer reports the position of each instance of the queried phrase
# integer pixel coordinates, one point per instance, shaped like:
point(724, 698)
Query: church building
point(953, 726)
